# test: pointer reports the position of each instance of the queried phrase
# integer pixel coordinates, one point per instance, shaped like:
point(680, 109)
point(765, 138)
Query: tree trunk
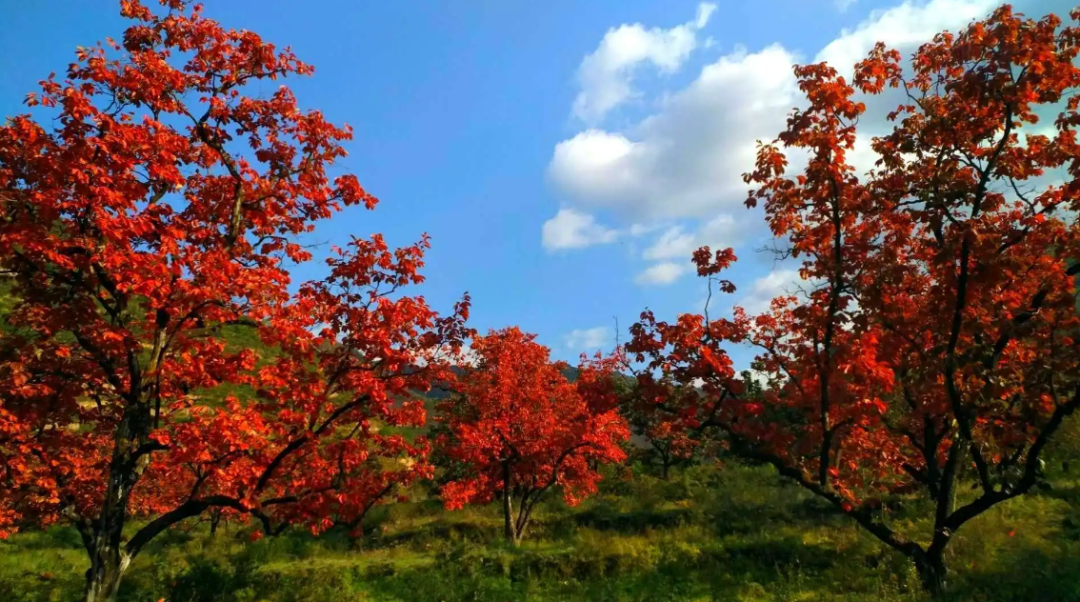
point(665, 467)
point(104, 540)
point(108, 558)
point(107, 567)
point(215, 519)
point(508, 524)
point(932, 573)
point(519, 533)
point(524, 515)
point(508, 508)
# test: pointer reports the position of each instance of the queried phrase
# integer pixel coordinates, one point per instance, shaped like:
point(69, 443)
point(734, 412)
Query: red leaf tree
point(657, 439)
point(934, 341)
point(160, 211)
point(519, 428)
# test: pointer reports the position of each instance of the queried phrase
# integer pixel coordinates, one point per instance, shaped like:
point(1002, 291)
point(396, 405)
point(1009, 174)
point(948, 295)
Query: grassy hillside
point(733, 533)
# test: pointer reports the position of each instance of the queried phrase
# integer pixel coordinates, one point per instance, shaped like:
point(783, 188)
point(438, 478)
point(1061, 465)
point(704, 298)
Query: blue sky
point(564, 156)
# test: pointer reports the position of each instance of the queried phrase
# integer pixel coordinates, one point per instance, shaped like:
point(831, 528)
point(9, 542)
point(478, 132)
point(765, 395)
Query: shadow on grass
point(1031, 576)
point(789, 568)
point(65, 538)
point(639, 521)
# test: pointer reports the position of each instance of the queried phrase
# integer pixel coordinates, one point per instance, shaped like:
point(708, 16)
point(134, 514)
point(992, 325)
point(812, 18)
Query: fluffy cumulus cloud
point(687, 159)
point(662, 273)
point(589, 338)
point(683, 163)
point(571, 229)
point(606, 75)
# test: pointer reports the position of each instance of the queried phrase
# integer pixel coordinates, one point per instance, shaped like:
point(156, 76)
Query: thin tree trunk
point(524, 516)
point(508, 508)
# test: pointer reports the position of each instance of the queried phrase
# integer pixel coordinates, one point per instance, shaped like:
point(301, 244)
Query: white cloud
point(776, 283)
point(596, 164)
point(589, 338)
point(640, 229)
point(674, 242)
point(571, 229)
point(606, 75)
point(905, 26)
point(662, 273)
point(686, 160)
point(843, 5)
point(704, 12)
point(718, 233)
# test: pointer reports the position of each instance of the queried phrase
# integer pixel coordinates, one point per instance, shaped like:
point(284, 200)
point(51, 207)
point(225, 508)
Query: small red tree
point(660, 441)
point(937, 329)
point(520, 428)
point(162, 209)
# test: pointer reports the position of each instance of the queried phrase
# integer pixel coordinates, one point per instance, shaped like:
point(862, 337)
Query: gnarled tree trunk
point(107, 567)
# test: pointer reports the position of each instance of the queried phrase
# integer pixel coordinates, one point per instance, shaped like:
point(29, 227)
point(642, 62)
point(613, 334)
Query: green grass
point(736, 533)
